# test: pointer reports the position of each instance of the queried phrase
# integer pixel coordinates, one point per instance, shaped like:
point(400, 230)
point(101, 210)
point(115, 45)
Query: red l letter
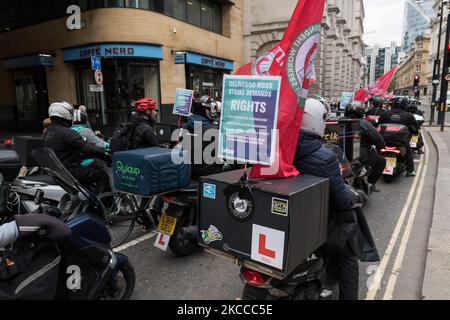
point(262, 247)
point(161, 240)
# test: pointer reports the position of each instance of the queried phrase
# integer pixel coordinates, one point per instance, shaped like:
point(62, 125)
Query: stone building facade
point(339, 64)
point(417, 64)
point(434, 25)
point(147, 49)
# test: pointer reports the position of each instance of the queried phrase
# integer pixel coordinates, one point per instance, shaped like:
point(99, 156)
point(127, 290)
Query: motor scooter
point(81, 267)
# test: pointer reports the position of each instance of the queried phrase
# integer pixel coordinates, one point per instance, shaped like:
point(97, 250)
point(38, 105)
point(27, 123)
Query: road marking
point(389, 293)
point(372, 292)
point(135, 242)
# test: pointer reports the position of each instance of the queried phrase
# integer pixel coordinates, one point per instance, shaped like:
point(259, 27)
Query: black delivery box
point(276, 226)
point(345, 133)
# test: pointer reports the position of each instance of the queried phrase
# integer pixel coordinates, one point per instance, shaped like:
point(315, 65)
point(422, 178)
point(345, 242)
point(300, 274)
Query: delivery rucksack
point(122, 137)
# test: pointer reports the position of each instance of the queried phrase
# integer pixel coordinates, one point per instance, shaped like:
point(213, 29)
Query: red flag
point(380, 87)
point(382, 83)
point(292, 59)
point(360, 95)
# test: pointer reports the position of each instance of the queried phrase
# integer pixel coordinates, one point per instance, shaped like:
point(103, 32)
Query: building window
point(193, 12)
point(419, 56)
point(418, 68)
point(15, 14)
point(420, 45)
point(206, 81)
point(175, 9)
point(125, 81)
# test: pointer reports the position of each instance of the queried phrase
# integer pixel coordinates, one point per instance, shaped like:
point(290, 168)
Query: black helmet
point(79, 117)
point(400, 103)
point(377, 102)
point(208, 108)
point(355, 108)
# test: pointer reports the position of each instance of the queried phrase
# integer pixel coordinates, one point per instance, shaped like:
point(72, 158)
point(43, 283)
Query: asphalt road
point(202, 276)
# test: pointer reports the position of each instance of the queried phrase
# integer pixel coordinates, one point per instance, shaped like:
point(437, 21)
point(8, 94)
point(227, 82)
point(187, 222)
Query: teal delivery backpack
point(151, 171)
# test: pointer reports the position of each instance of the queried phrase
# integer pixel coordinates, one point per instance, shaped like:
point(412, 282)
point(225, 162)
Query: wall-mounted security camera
point(173, 30)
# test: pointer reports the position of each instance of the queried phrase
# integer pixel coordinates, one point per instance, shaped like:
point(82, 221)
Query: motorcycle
point(23, 189)
point(307, 282)
point(355, 174)
point(417, 140)
point(395, 136)
point(91, 270)
point(178, 225)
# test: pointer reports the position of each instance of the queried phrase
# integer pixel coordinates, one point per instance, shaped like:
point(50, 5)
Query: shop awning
point(36, 60)
point(203, 60)
point(113, 50)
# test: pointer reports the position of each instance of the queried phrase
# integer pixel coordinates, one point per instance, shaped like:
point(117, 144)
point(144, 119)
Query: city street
point(399, 219)
point(126, 89)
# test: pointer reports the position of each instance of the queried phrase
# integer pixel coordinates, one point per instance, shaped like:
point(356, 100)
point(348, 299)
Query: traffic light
point(416, 83)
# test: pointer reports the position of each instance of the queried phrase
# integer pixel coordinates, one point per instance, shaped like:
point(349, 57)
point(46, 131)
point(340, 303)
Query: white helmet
point(61, 109)
point(315, 116)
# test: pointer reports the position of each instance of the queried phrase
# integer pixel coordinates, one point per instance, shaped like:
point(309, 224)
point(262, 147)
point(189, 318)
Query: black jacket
point(369, 137)
point(346, 225)
point(375, 111)
point(400, 117)
point(69, 146)
point(312, 158)
point(144, 135)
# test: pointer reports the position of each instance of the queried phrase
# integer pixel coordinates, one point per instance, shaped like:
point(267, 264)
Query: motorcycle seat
point(43, 178)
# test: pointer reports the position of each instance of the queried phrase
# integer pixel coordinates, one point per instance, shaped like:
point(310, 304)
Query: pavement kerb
point(436, 282)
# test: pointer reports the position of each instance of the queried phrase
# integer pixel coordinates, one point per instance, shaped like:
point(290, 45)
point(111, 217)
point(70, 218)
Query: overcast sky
point(383, 22)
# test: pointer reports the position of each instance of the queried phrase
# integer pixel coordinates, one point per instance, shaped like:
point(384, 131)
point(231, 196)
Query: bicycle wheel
point(120, 212)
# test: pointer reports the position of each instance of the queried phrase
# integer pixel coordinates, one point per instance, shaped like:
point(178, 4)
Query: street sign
point(447, 77)
point(436, 82)
point(96, 88)
point(98, 77)
point(96, 63)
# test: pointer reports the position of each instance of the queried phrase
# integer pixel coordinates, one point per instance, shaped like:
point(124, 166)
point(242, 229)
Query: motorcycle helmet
point(210, 108)
point(314, 117)
point(321, 100)
point(400, 103)
point(63, 110)
point(145, 104)
point(376, 102)
point(355, 108)
point(80, 117)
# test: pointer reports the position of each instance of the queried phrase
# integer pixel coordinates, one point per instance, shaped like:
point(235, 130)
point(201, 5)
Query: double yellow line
point(418, 184)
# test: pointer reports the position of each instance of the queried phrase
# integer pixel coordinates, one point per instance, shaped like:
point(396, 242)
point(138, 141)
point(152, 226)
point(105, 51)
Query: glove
point(107, 157)
point(360, 199)
point(41, 228)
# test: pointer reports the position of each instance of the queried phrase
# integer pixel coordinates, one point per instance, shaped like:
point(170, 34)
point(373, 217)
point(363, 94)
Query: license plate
point(414, 141)
point(391, 163)
point(167, 225)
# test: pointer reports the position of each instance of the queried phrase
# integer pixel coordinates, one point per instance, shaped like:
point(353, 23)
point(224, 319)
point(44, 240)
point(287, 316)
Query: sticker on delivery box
point(268, 246)
point(209, 191)
point(280, 207)
point(211, 235)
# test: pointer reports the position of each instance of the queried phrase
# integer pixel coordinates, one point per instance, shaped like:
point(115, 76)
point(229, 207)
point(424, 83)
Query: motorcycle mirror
point(39, 197)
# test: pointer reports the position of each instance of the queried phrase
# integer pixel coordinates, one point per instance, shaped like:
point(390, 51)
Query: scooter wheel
point(121, 287)
point(179, 244)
